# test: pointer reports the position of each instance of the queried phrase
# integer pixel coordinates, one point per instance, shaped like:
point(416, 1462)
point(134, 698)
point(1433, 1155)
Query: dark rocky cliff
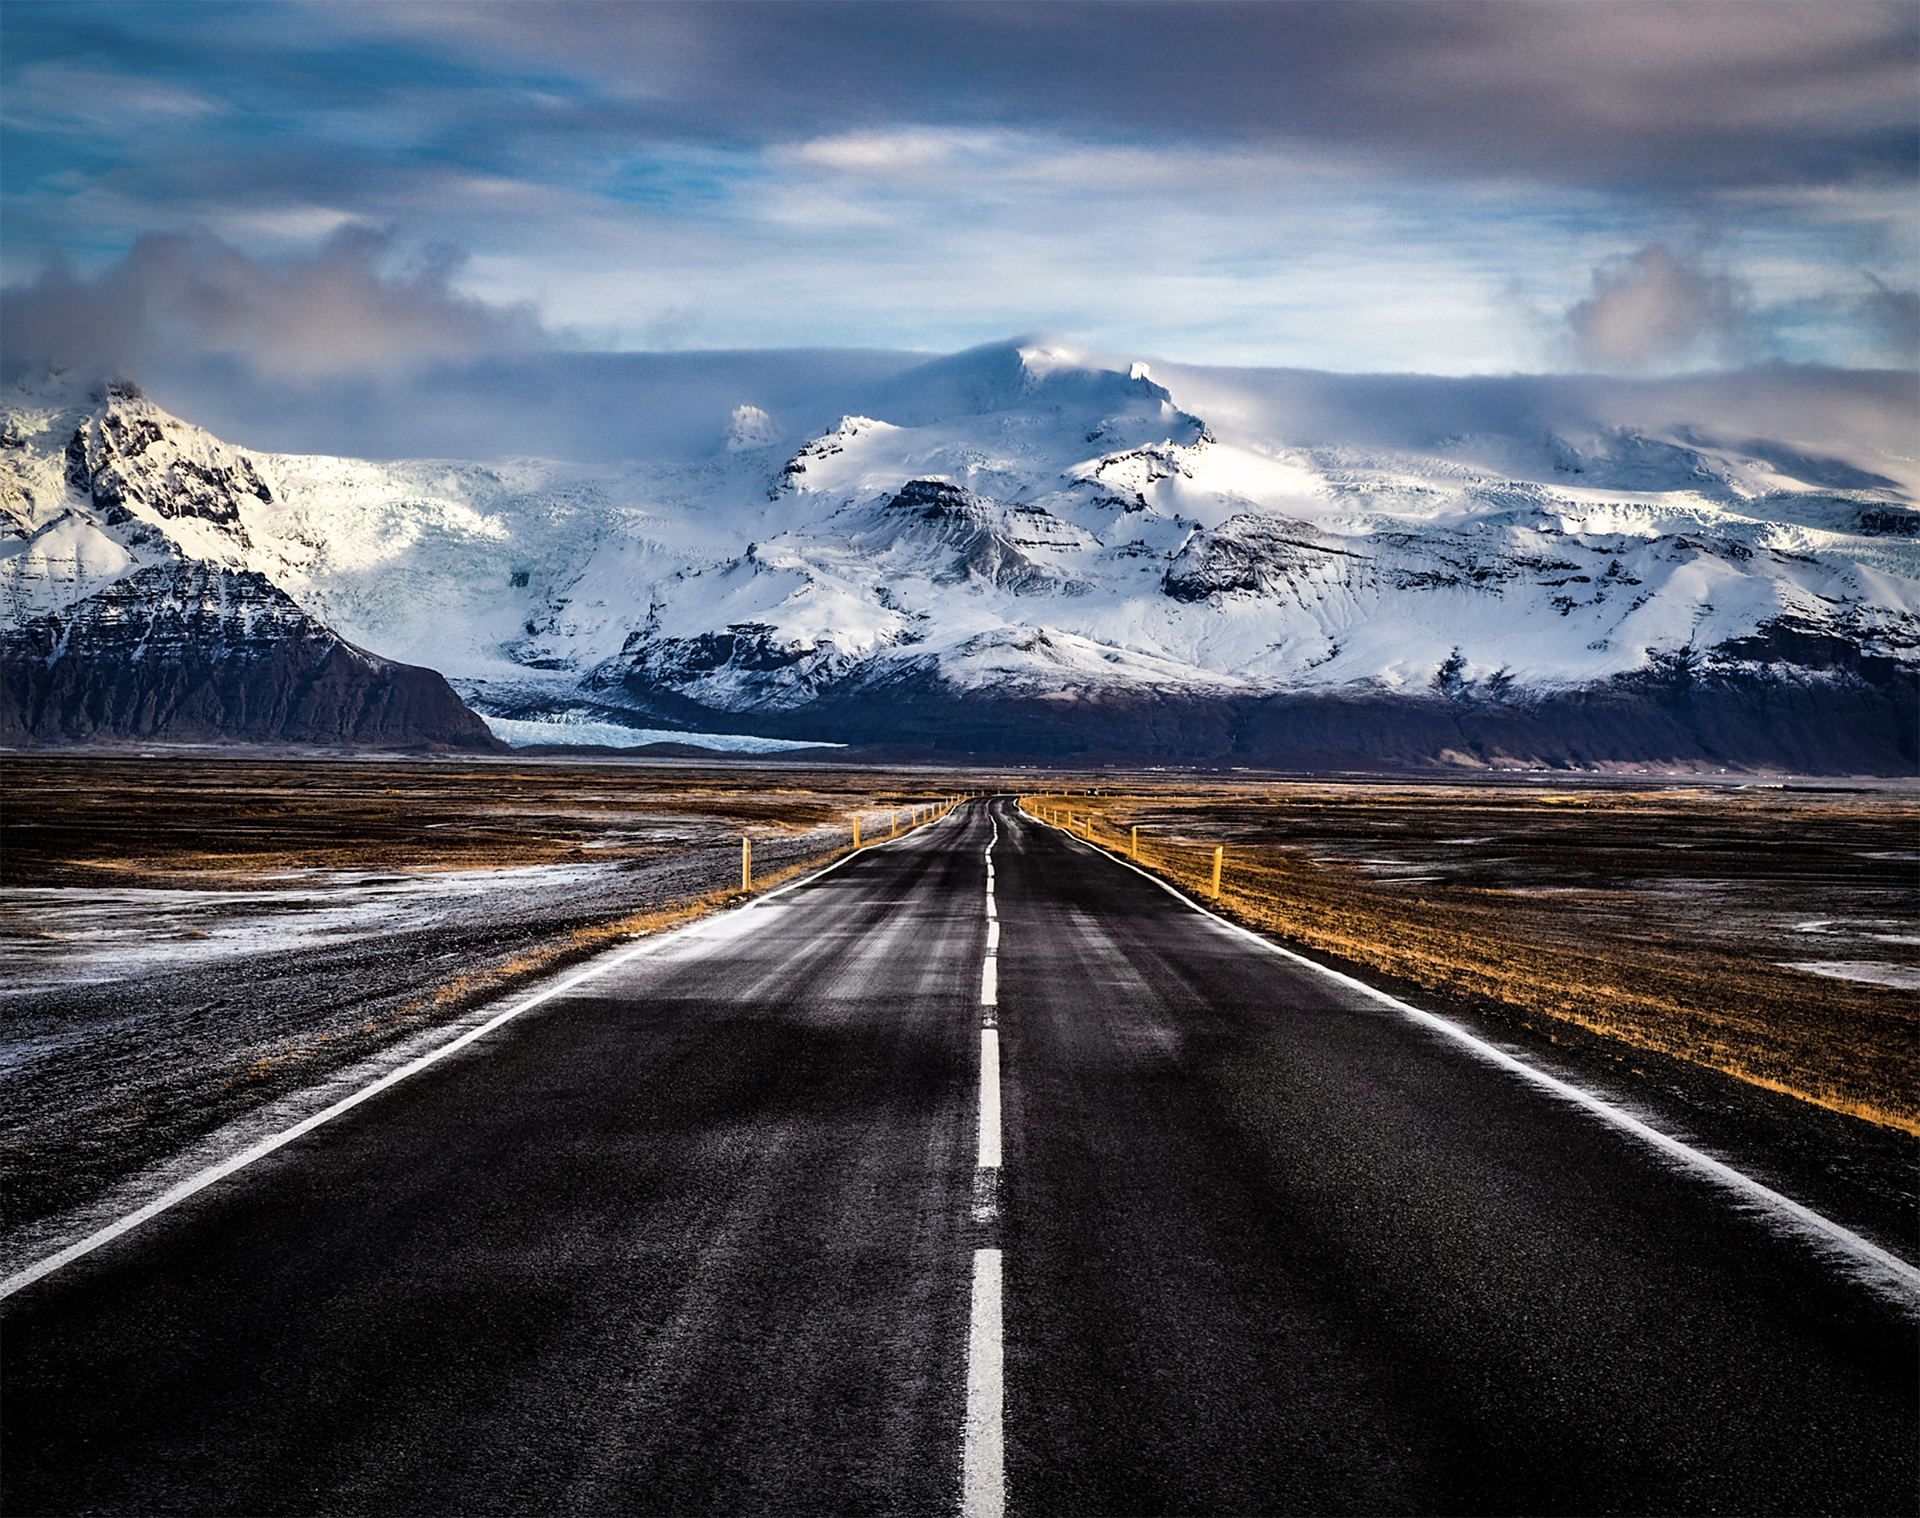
point(1788, 699)
point(193, 653)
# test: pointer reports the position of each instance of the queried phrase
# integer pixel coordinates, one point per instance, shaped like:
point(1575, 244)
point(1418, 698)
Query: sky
point(301, 193)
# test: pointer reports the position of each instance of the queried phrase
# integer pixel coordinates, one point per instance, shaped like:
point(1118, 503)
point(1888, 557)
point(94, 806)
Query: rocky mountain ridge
point(1023, 551)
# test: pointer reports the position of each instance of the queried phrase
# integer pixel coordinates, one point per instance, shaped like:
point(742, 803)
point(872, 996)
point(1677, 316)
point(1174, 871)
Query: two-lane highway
point(708, 1231)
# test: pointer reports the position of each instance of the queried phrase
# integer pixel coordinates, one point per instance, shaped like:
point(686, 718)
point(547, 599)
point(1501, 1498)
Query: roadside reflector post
point(746, 863)
point(1136, 845)
point(896, 824)
point(856, 830)
point(1219, 853)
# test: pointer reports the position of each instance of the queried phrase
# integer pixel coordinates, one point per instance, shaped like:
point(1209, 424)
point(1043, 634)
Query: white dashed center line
point(983, 1483)
point(989, 1099)
point(983, 1480)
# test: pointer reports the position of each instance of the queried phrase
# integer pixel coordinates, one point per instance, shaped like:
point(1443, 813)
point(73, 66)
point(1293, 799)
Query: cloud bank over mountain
point(335, 311)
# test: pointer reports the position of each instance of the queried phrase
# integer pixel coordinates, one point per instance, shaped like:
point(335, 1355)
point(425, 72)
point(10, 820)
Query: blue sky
point(315, 189)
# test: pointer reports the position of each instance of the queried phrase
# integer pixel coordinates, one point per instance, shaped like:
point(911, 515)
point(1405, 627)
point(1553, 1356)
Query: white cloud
point(65, 97)
point(884, 152)
point(336, 311)
point(1654, 309)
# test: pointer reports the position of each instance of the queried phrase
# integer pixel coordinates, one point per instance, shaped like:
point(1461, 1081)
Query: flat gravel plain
point(695, 1235)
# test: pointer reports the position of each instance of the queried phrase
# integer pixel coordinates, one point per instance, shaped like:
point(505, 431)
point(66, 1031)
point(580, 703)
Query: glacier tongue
point(1019, 531)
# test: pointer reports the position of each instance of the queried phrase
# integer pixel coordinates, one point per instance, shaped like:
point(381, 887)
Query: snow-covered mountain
point(1020, 549)
point(131, 606)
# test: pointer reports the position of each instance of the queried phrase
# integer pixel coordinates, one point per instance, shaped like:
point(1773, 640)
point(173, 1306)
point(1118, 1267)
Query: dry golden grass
point(1618, 962)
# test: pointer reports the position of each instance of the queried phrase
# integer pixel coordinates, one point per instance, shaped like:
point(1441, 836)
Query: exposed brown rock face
point(194, 653)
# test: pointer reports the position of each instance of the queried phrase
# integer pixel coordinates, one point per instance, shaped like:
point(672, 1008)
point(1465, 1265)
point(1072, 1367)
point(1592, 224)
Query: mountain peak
point(1031, 372)
point(750, 428)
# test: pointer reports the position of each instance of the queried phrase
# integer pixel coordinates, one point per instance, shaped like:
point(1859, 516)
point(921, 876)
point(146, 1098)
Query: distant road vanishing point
point(977, 1173)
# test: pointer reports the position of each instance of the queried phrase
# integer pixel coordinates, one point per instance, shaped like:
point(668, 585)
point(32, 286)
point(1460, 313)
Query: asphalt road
point(699, 1235)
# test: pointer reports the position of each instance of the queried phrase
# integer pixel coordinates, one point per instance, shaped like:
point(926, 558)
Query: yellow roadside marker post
point(856, 830)
point(1219, 853)
point(1136, 845)
point(746, 863)
point(896, 824)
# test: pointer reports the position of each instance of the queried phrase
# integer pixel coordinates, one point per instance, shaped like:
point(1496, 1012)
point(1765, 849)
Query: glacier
point(1028, 550)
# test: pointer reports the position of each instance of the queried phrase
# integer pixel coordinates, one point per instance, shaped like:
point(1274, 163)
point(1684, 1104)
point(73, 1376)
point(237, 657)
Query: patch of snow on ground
point(1900, 977)
point(66, 935)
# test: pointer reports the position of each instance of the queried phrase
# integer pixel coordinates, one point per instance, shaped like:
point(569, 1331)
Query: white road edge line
point(983, 1482)
point(1835, 1234)
point(205, 1178)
